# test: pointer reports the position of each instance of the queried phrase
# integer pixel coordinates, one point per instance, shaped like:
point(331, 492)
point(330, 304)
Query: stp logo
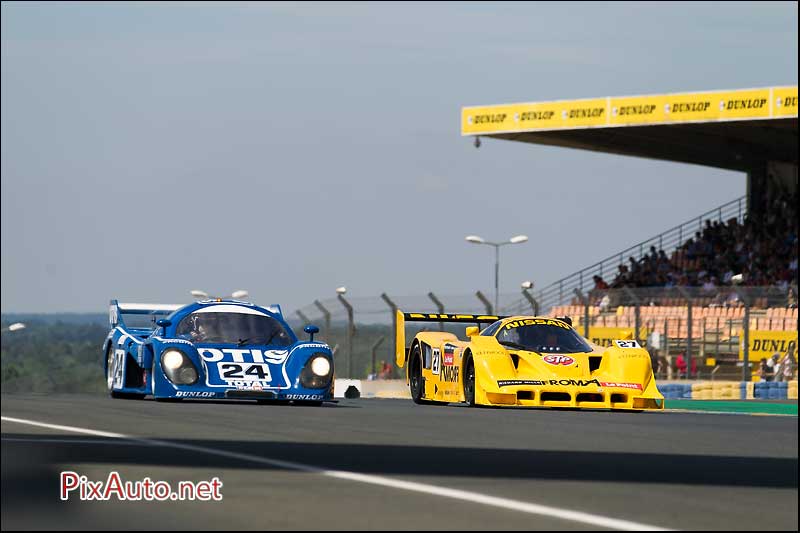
point(558, 359)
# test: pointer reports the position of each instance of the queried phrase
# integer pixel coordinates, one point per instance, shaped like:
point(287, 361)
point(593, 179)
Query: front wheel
point(469, 383)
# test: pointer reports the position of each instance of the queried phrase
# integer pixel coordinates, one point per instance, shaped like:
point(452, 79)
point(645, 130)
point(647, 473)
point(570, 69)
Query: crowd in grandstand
point(763, 251)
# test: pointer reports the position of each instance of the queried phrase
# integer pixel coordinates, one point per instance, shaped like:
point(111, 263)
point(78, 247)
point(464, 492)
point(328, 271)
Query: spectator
point(680, 365)
point(764, 249)
point(788, 366)
point(385, 371)
point(605, 301)
point(600, 286)
point(773, 363)
point(764, 372)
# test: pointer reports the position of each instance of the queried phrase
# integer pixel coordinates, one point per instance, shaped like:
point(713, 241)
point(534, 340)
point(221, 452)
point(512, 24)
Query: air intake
point(589, 397)
point(555, 397)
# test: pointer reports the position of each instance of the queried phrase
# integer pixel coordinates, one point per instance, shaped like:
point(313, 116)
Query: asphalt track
point(389, 464)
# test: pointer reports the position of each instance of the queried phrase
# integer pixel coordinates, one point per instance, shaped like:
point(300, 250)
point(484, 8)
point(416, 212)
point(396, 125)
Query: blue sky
point(291, 148)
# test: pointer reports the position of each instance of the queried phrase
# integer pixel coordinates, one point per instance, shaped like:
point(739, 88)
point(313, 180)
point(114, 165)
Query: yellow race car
point(523, 361)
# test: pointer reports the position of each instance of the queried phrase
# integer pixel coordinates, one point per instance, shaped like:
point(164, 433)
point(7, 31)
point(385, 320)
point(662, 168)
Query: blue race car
point(213, 349)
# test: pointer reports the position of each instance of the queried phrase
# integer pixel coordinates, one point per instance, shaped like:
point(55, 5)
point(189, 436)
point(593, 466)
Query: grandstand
point(690, 302)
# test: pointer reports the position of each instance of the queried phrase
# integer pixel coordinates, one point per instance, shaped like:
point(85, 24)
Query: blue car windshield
point(233, 328)
point(541, 335)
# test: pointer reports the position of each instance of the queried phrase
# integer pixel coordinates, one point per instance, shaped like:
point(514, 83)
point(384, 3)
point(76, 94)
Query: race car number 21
point(251, 371)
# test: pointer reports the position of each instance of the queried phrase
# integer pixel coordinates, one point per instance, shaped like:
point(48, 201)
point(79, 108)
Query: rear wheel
point(469, 383)
point(416, 382)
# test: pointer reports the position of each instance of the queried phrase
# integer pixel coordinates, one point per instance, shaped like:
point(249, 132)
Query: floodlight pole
point(519, 239)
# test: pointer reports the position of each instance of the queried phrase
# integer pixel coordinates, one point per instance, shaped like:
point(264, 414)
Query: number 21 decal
point(437, 361)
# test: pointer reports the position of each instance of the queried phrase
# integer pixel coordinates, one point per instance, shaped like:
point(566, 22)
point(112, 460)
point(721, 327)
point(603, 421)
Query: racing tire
point(109, 380)
point(109, 366)
point(416, 383)
point(469, 382)
point(127, 395)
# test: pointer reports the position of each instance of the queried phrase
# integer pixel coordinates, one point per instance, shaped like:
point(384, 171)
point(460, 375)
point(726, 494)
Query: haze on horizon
point(292, 148)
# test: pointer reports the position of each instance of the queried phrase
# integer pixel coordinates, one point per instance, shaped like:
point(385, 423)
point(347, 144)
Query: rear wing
point(401, 352)
point(116, 311)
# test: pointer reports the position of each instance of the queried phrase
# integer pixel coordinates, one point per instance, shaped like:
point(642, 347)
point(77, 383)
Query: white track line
point(461, 495)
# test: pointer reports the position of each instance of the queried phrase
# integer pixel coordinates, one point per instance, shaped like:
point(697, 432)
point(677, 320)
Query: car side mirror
point(472, 331)
point(163, 323)
point(311, 330)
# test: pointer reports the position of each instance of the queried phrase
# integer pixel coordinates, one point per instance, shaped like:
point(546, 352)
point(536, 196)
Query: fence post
point(746, 326)
point(374, 349)
point(439, 305)
point(393, 334)
point(303, 317)
point(585, 302)
point(668, 357)
point(327, 315)
point(486, 303)
point(637, 316)
point(531, 300)
point(688, 330)
point(351, 330)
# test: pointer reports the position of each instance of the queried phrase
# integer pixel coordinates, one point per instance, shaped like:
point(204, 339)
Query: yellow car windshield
point(542, 338)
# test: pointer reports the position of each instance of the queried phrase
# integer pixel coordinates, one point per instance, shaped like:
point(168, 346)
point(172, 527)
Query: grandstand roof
point(735, 129)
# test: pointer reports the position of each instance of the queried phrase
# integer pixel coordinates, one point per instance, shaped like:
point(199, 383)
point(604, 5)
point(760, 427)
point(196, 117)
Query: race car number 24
point(251, 371)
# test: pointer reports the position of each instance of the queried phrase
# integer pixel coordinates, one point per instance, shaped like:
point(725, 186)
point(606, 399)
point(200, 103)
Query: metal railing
point(725, 331)
point(561, 291)
point(701, 324)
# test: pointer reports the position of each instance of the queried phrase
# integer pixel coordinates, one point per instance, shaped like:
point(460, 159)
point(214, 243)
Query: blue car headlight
point(178, 367)
point(318, 372)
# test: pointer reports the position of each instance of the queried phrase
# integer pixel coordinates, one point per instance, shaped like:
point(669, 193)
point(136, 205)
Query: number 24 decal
point(237, 371)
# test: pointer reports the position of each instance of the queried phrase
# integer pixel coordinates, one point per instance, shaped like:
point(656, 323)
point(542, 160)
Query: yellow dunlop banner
point(583, 113)
point(763, 344)
point(638, 110)
point(534, 116)
point(488, 119)
point(746, 104)
point(784, 101)
point(604, 336)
